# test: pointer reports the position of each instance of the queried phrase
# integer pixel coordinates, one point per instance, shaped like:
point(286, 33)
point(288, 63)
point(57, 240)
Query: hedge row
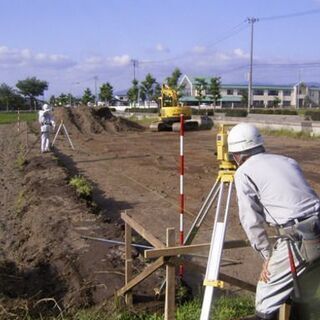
point(274, 111)
point(142, 110)
point(233, 112)
point(202, 112)
point(313, 115)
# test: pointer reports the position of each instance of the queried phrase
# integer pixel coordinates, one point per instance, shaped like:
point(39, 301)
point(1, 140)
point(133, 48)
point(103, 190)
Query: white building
point(263, 95)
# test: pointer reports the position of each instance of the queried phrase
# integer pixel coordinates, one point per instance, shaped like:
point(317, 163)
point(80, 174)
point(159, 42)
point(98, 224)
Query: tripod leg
point(215, 254)
point(202, 213)
point(55, 137)
point(67, 134)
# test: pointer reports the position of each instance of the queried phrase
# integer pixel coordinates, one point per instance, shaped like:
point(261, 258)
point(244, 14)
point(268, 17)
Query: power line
point(291, 15)
point(230, 33)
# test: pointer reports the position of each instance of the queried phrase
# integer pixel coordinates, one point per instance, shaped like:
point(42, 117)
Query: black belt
point(295, 221)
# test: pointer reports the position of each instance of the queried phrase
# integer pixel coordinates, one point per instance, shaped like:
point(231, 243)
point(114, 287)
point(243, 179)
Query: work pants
point(271, 295)
point(45, 141)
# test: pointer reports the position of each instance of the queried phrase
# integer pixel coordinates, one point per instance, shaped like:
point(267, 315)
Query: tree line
point(28, 92)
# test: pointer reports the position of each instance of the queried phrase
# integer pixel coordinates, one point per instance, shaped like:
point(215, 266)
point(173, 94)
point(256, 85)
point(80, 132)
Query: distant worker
point(272, 189)
point(47, 125)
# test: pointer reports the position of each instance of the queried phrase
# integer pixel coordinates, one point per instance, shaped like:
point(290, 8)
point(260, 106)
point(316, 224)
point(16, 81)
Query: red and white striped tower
point(182, 200)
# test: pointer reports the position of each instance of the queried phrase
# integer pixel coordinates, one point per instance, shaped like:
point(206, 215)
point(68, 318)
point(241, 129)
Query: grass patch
point(289, 133)
point(226, 308)
point(12, 117)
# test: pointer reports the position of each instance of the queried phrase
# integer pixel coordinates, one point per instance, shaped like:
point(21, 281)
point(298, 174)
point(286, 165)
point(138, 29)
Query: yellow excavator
point(170, 111)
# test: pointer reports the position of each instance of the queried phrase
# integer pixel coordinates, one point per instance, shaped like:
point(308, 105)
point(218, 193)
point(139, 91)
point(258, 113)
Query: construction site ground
point(44, 262)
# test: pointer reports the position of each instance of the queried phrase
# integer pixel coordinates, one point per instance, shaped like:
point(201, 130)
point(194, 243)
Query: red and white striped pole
point(182, 200)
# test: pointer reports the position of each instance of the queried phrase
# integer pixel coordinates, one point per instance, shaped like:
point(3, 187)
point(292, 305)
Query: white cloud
point(239, 53)
point(99, 63)
point(161, 48)
point(199, 49)
point(25, 57)
point(120, 61)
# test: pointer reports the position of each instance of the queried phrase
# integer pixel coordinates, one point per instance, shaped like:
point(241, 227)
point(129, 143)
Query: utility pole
point(135, 63)
point(298, 90)
point(95, 89)
point(250, 95)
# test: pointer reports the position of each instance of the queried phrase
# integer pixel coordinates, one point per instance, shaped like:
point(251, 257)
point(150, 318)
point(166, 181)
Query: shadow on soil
point(34, 284)
point(110, 208)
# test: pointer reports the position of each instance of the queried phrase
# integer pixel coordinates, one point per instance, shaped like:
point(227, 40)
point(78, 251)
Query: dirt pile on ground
point(87, 120)
point(44, 263)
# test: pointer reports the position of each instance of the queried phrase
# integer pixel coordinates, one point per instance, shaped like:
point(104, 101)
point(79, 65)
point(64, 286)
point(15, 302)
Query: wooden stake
point(142, 231)
point(170, 280)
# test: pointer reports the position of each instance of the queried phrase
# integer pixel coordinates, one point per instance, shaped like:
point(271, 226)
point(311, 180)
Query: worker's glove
point(264, 275)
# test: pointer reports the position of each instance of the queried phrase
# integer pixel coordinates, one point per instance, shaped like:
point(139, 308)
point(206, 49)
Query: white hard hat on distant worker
point(243, 137)
point(46, 107)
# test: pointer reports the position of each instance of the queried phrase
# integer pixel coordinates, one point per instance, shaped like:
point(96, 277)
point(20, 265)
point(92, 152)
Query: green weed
point(228, 308)
point(20, 202)
point(82, 186)
point(21, 160)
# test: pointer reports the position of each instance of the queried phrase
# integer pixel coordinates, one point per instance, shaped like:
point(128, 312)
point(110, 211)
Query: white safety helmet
point(46, 107)
point(243, 137)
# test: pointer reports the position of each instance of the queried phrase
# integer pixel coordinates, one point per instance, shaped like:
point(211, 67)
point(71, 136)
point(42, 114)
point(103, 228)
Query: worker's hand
point(264, 275)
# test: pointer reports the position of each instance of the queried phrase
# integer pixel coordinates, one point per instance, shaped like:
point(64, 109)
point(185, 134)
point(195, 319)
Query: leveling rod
point(116, 242)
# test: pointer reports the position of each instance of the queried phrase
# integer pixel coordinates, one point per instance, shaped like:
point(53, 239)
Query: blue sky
point(69, 42)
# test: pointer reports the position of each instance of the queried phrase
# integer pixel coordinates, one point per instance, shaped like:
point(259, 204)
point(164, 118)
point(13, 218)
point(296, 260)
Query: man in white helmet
point(272, 189)
point(47, 125)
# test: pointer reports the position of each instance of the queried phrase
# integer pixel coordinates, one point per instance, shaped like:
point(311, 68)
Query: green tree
point(87, 96)
point(214, 89)
point(62, 99)
point(201, 86)
point(276, 101)
point(9, 97)
point(133, 92)
point(32, 88)
point(106, 93)
point(244, 99)
point(52, 100)
point(148, 88)
point(173, 82)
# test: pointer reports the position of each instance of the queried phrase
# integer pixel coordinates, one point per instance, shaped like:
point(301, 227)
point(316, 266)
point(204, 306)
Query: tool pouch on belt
point(309, 230)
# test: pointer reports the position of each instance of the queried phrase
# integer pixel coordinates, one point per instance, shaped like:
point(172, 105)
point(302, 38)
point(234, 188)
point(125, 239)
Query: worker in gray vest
point(272, 189)
point(47, 125)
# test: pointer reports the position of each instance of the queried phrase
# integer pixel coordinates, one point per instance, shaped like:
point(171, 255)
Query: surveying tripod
point(224, 181)
point(62, 126)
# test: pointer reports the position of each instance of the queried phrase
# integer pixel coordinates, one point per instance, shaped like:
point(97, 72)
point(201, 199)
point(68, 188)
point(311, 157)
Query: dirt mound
point(87, 120)
point(44, 262)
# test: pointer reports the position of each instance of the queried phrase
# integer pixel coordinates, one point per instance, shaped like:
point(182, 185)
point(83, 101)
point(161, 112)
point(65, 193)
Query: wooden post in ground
point(128, 257)
point(169, 312)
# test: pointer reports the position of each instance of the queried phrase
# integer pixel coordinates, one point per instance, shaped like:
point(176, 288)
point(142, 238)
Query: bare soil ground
point(42, 254)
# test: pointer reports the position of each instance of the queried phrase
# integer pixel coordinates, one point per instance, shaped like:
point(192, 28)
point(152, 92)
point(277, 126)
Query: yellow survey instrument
point(223, 155)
